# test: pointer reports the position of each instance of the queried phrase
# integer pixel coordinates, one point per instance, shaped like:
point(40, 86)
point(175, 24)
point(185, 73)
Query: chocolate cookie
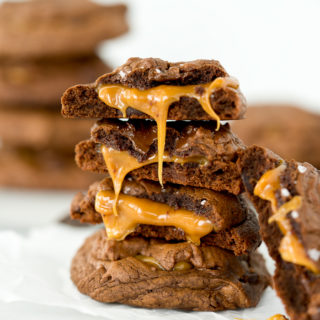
point(155, 274)
point(45, 169)
point(57, 28)
point(227, 101)
point(289, 131)
point(41, 82)
point(40, 130)
point(235, 226)
point(212, 154)
point(287, 198)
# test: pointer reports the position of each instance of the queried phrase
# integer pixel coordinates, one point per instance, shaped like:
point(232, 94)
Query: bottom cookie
point(152, 273)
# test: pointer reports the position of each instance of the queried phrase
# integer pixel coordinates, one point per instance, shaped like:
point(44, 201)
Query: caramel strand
point(156, 101)
point(120, 163)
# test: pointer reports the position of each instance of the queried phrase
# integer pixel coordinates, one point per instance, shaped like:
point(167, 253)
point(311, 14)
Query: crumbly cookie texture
point(82, 101)
point(297, 286)
point(183, 139)
point(215, 279)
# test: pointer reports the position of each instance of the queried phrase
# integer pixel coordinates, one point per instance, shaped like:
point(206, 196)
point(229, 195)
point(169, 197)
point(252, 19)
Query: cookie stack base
point(215, 281)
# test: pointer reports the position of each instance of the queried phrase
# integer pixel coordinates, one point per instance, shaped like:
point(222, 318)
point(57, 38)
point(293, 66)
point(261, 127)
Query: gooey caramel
point(120, 163)
point(290, 249)
point(134, 211)
point(151, 261)
point(179, 266)
point(156, 101)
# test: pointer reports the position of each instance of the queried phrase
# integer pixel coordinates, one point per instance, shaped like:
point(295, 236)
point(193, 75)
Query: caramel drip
point(120, 163)
point(156, 101)
point(290, 249)
point(134, 211)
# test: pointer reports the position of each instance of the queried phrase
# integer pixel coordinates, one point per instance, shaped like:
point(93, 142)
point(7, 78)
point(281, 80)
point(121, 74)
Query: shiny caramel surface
point(156, 102)
point(290, 249)
point(134, 211)
point(120, 163)
point(150, 260)
point(179, 266)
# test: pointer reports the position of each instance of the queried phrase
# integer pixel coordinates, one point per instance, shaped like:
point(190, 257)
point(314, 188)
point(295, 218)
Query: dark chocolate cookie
point(199, 140)
point(155, 274)
point(82, 101)
point(291, 132)
point(57, 28)
point(293, 239)
point(41, 82)
point(40, 129)
point(45, 169)
point(235, 225)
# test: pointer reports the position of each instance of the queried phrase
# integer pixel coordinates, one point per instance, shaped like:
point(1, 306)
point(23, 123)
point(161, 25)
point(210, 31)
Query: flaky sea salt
point(285, 192)
point(314, 254)
point(294, 214)
point(302, 169)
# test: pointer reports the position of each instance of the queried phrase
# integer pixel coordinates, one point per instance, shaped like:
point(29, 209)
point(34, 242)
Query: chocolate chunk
point(216, 280)
point(82, 101)
point(297, 286)
point(57, 28)
point(218, 149)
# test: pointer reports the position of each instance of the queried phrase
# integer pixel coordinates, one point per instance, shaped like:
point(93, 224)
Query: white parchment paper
point(35, 283)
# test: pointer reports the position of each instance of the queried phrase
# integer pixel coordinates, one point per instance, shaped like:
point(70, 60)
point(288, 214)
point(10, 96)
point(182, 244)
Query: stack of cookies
point(46, 46)
point(178, 233)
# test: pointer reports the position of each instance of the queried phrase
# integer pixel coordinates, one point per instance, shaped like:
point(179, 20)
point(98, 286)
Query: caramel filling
point(120, 163)
point(151, 261)
point(179, 266)
point(291, 249)
point(155, 102)
point(134, 211)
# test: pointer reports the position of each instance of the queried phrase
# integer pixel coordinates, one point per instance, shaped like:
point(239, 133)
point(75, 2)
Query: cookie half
point(286, 196)
point(225, 99)
point(202, 156)
point(234, 225)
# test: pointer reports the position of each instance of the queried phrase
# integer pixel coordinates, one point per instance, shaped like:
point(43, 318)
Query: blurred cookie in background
point(39, 83)
point(46, 47)
point(23, 167)
point(289, 131)
point(41, 28)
